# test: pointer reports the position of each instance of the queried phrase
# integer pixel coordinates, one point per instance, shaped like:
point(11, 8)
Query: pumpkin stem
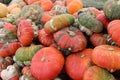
point(71, 33)
point(43, 59)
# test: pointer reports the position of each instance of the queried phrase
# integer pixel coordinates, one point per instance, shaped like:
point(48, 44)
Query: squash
point(58, 22)
point(98, 39)
point(76, 64)
point(86, 20)
point(70, 39)
point(113, 30)
point(25, 32)
point(111, 9)
point(74, 6)
point(45, 38)
point(107, 56)
point(26, 53)
point(3, 10)
point(47, 63)
point(31, 12)
point(97, 73)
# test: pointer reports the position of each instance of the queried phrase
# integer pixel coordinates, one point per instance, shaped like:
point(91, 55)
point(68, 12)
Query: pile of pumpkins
point(59, 40)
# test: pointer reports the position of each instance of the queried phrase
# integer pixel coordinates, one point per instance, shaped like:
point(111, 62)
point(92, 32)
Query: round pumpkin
point(98, 39)
point(113, 30)
point(70, 38)
point(74, 6)
point(25, 32)
point(76, 64)
point(107, 56)
point(58, 22)
point(3, 10)
point(47, 63)
point(111, 9)
point(97, 73)
point(44, 38)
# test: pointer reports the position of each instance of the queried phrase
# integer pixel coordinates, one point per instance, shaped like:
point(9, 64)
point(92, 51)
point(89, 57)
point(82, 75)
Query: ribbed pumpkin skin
point(58, 22)
point(88, 21)
point(26, 53)
point(113, 30)
point(47, 63)
point(97, 73)
point(107, 56)
point(76, 64)
point(70, 38)
point(111, 9)
point(25, 32)
point(98, 39)
point(45, 38)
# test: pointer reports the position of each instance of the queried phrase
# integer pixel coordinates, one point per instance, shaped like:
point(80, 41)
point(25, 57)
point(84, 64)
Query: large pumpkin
point(111, 9)
point(58, 22)
point(26, 53)
point(70, 38)
point(107, 56)
point(113, 30)
point(76, 64)
point(89, 21)
point(47, 63)
point(25, 32)
point(97, 73)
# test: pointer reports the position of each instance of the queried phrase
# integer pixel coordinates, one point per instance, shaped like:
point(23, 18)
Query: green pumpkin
point(5, 1)
point(26, 53)
point(32, 12)
point(88, 21)
point(112, 9)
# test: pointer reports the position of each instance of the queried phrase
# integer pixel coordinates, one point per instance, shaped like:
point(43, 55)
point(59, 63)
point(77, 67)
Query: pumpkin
point(10, 72)
point(12, 47)
point(87, 52)
point(47, 63)
point(76, 64)
point(45, 38)
point(97, 73)
point(5, 1)
point(26, 53)
point(74, 6)
point(111, 9)
point(107, 56)
point(103, 19)
point(4, 52)
point(25, 32)
point(8, 32)
point(47, 16)
point(71, 39)
point(3, 10)
point(113, 30)
point(86, 20)
point(31, 12)
point(58, 22)
point(98, 39)
point(12, 6)
point(26, 71)
point(20, 2)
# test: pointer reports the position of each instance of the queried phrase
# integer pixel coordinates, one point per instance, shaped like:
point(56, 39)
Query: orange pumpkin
point(3, 10)
point(98, 39)
point(113, 30)
point(47, 63)
point(76, 64)
point(107, 56)
point(87, 52)
point(74, 6)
